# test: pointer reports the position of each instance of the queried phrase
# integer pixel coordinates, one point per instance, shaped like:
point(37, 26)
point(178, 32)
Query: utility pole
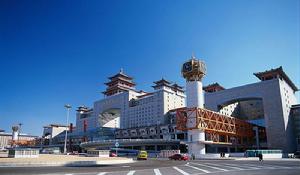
point(68, 107)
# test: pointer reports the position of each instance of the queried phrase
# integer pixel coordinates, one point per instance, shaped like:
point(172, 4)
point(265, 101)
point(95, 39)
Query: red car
point(112, 154)
point(179, 157)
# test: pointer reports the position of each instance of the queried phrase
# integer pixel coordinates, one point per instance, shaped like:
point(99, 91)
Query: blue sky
point(57, 52)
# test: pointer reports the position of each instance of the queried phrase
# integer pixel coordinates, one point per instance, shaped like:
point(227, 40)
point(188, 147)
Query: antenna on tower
point(193, 55)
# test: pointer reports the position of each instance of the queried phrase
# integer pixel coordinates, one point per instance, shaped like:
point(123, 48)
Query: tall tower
point(15, 133)
point(193, 71)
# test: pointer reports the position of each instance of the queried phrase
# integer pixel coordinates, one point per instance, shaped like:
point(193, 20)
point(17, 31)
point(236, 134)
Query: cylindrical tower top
point(15, 128)
point(193, 70)
point(15, 133)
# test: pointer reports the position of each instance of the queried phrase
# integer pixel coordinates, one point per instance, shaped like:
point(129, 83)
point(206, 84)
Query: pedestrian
point(193, 156)
point(260, 156)
point(222, 154)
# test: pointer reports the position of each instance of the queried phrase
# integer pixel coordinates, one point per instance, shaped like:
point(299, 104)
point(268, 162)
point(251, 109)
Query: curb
point(67, 163)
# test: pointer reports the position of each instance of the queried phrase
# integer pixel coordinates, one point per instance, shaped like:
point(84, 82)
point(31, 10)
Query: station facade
point(126, 114)
point(267, 103)
point(125, 107)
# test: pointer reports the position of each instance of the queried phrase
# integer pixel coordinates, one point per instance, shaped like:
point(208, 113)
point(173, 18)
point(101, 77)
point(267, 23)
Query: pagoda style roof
point(119, 83)
point(83, 108)
point(162, 81)
point(176, 87)
point(120, 79)
point(213, 87)
point(275, 73)
point(119, 75)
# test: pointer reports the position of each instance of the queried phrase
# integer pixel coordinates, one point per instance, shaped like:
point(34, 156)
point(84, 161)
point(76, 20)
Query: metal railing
point(130, 140)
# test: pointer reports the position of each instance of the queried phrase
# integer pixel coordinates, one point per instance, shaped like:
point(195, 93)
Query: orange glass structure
point(218, 128)
point(22, 142)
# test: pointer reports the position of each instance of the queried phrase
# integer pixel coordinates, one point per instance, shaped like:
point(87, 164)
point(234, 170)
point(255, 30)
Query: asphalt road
point(166, 167)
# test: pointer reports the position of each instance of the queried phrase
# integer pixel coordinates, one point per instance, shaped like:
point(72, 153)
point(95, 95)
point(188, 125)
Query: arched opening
point(110, 118)
point(251, 110)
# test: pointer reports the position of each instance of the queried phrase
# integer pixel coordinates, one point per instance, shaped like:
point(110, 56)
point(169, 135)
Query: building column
point(256, 136)
point(195, 99)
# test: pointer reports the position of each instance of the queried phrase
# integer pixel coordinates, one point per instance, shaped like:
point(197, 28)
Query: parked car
point(111, 154)
point(73, 153)
point(82, 154)
point(179, 157)
point(143, 155)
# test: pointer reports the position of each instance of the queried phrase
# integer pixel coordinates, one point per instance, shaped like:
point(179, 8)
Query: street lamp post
point(68, 107)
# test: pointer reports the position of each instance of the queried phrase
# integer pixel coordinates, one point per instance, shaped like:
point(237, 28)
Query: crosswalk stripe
point(258, 166)
point(102, 173)
point(157, 172)
point(261, 166)
point(270, 166)
point(277, 166)
point(196, 168)
point(130, 172)
point(213, 167)
point(181, 171)
point(238, 166)
point(230, 166)
point(247, 166)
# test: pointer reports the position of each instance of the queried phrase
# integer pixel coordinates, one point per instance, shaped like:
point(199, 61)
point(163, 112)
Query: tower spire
point(193, 55)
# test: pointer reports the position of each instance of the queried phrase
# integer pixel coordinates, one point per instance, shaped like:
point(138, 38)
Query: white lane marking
point(279, 166)
point(251, 167)
point(102, 173)
point(210, 167)
point(68, 174)
point(270, 166)
point(180, 171)
point(260, 166)
point(157, 172)
point(196, 168)
point(130, 172)
point(229, 166)
point(126, 166)
point(257, 166)
point(235, 166)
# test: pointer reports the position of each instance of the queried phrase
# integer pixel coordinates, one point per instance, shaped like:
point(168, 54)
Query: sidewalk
point(256, 158)
point(62, 160)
